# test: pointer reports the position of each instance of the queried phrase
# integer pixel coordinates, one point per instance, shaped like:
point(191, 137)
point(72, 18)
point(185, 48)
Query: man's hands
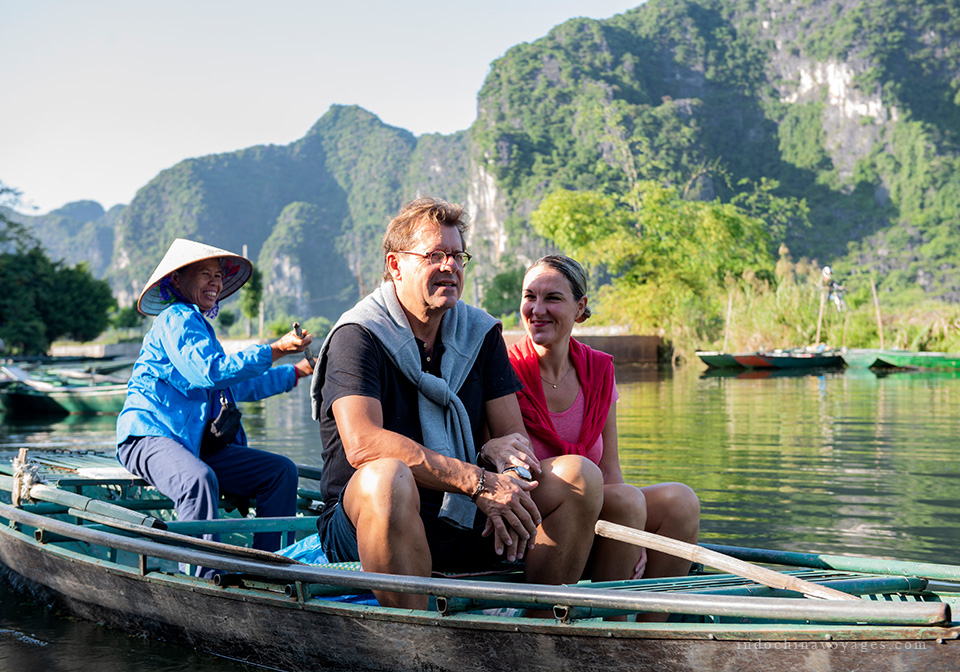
point(512, 516)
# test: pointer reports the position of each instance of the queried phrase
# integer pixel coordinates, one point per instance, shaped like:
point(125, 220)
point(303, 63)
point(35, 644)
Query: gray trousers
point(194, 485)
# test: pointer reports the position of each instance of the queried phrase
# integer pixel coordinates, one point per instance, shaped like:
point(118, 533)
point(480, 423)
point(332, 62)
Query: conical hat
point(236, 272)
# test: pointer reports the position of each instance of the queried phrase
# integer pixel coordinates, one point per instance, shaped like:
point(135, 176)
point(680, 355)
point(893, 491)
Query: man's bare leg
point(383, 503)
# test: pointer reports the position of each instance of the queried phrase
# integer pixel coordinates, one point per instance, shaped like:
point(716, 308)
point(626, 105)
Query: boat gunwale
point(934, 613)
point(725, 631)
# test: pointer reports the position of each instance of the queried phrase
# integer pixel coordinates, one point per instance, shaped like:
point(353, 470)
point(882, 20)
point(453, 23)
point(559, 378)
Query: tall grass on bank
point(756, 314)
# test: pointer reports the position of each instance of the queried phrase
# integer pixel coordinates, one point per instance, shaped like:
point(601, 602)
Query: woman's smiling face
point(547, 306)
point(200, 283)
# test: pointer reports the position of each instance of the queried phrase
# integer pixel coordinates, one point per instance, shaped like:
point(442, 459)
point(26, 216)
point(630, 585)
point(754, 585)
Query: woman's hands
point(512, 450)
point(641, 565)
point(291, 344)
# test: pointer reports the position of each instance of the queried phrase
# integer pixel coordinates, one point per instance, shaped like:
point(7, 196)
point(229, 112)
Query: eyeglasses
point(437, 257)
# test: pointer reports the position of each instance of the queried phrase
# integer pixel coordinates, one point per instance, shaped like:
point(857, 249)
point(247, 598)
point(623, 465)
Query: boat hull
point(921, 360)
point(87, 400)
point(285, 633)
point(718, 360)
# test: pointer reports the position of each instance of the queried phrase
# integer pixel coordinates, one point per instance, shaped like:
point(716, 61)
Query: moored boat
point(799, 358)
point(803, 359)
point(717, 360)
point(862, 358)
point(27, 394)
point(945, 361)
point(115, 562)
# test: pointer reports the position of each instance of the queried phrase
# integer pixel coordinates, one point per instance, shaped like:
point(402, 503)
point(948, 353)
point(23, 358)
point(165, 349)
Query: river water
point(847, 462)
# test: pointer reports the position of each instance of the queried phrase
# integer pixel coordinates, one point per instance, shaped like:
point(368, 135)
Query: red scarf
point(595, 371)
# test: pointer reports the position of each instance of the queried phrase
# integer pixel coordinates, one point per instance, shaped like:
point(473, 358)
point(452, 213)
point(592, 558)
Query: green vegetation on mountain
point(832, 124)
point(310, 214)
point(295, 284)
point(844, 113)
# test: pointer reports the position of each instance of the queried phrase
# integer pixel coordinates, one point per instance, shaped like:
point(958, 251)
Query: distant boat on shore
point(798, 358)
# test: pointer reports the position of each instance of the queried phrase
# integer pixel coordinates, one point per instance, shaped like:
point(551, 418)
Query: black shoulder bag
point(222, 430)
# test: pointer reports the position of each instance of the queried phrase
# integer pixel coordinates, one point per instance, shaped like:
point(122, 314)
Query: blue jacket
point(180, 364)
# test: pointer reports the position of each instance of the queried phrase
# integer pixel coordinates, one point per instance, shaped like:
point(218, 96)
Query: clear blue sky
point(99, 96)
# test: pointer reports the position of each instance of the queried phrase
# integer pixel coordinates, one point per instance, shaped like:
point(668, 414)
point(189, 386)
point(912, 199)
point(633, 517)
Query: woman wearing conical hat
point(174, 394)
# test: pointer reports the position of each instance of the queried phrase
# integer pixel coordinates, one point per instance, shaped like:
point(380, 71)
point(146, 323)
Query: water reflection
point(851, 461)
point(846, 462)
point(856, 464)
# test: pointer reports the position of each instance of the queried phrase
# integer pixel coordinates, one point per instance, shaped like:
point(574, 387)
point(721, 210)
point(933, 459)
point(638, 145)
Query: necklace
point(554, 385)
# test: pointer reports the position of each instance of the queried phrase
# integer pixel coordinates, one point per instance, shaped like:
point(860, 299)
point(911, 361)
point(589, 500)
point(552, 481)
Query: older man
point(424, 450)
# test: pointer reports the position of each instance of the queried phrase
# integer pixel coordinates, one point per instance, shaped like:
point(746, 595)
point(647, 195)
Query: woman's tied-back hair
point(403, 231)
point(572, 271)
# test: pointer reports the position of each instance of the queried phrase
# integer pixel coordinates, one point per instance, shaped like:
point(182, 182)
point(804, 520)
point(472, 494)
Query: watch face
point(522, 472)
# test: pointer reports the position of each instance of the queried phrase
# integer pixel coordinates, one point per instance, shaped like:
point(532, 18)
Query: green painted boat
point(718, 360)
point(48, 394)
point(945, 361)
point(796, 358)
point(861, 358)
point(86, 399)
point(100, 544)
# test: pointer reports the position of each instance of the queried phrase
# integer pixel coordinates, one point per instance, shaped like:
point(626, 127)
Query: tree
point(128, 318)
point(14, 236)
point(79, 305)
point(670, 257)
point(45, 300)
point(226, 318)
point(502, 296)
point(251, 296)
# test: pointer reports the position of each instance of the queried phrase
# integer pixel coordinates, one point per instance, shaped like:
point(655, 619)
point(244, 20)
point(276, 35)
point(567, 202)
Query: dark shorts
point(452, 549)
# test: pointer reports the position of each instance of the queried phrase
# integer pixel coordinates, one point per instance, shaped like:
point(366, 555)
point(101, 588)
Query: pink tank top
point(568, 424)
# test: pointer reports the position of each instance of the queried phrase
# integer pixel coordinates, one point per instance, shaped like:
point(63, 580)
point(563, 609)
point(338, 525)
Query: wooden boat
point(77, 392)
point(862, 358)
point(731, 360)
point(799, 358)
point(718, 360)
point(803, 359)
point(84, 534)
point(945, 361)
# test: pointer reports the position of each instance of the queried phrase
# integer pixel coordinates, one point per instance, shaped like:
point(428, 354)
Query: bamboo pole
point(169, 537)
point(876, 304)
point(823, 299)
point(726, 331)
point(680, 549)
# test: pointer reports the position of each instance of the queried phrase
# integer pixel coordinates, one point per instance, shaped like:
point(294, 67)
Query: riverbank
point(625, 348)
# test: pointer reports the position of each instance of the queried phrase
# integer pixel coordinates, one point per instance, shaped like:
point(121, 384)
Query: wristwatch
point(522, 472)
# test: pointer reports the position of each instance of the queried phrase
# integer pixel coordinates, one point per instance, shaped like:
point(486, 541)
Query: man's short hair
point(403, 230)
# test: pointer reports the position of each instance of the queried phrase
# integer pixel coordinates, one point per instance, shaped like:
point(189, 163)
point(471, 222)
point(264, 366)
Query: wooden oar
point(681, 549)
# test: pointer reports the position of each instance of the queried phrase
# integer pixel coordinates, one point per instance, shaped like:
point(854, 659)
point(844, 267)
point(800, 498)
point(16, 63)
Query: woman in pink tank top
point(569, 406)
